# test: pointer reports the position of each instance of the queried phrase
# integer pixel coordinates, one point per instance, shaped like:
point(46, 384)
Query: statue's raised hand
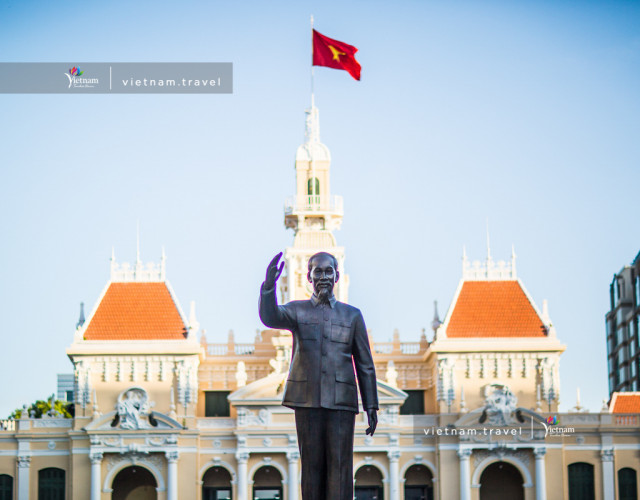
point(273, 272)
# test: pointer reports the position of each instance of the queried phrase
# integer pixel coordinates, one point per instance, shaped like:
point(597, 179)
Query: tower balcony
point(310, 204)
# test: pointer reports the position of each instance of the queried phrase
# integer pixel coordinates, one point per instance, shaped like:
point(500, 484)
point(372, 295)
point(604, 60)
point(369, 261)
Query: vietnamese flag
point(334, 54)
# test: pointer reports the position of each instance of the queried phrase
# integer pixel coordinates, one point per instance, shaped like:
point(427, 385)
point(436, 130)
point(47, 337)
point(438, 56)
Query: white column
point(293, 457)
point(608, 488)
point(242, 458)
point(24, 464)
point(394, 494)
point(541, 478)
point(172, 476)
point(465, 476)
point(96, 480)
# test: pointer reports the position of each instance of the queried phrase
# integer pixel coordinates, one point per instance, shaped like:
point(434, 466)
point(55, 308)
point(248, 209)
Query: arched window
point(627, 484)
point(6, 487)
point(134, 482)
point(581, 484)
point(368, 483)
point(501, 480)
point(51, 484)
point(310, 186)
point(418, 483)
point(216, 484)
point(267, 484)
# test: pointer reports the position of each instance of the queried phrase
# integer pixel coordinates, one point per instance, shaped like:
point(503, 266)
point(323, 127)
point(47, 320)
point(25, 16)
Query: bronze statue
point(329, 339)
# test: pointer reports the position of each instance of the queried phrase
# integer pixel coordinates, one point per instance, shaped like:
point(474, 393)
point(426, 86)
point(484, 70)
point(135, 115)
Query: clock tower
point(313, 214)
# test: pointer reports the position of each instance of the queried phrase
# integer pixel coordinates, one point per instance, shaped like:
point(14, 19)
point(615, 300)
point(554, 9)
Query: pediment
point(104, 423)
point(270, 389)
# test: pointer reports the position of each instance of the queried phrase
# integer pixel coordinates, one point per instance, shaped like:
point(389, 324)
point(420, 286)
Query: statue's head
point(323, 274)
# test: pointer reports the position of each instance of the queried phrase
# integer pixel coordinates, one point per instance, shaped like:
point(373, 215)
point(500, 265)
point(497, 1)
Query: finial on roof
point(81, 317)
point(113, 254)
point(435, 324)
point(312, 125)
point(194, 326)
point(513, 261)
point(545, 312)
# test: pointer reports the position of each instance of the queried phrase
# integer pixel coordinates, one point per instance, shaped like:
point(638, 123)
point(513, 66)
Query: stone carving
point(95, 457)
point(134, 410)
point(501, 452)
point(247, 417)
point(606, 455)
point(500, 404)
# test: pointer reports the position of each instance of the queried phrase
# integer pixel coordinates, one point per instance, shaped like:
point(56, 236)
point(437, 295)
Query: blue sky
point(526, 114)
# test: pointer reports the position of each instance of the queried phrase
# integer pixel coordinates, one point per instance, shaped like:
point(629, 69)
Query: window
point(620, 335)
point(216, 404)
point(51, 484)
point(581, 483)
point(627, 484)
point(414, 404)
point(216, 484)
point(310, 186)
point(6, 487)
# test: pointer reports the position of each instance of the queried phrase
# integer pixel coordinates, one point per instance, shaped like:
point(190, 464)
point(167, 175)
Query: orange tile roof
point(625, 402)
point(136, 311)
point(494, 309)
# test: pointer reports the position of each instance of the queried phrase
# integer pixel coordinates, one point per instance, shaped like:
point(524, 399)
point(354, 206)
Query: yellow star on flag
point(336, 53)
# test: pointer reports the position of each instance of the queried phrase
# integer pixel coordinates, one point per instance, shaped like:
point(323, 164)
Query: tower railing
point(314, 203)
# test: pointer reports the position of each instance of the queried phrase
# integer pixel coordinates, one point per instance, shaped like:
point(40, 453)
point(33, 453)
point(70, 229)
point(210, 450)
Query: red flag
point(335, 54)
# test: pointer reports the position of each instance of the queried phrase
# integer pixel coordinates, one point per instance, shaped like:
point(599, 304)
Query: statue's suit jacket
point(329, 340)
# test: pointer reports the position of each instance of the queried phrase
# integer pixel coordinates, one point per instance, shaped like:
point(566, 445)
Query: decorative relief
point(539, 453)
point(52, 422)
point(161, 440)
point(500, 404)
point(607, 455)
point(248, 417)
point(113, 461)
point(95, 457)
point(389, 415)
point(394, 455)
point(501, 452)
point(134, 409)
point(24, 461)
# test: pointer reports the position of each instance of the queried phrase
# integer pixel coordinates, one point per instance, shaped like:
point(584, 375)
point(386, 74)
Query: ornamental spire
point(312, 124)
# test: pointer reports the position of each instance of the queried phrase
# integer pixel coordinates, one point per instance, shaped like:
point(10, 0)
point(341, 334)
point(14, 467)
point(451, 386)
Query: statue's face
point(323, 276)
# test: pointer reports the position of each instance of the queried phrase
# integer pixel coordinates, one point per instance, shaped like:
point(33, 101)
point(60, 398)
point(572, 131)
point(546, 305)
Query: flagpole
point(312, 103)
